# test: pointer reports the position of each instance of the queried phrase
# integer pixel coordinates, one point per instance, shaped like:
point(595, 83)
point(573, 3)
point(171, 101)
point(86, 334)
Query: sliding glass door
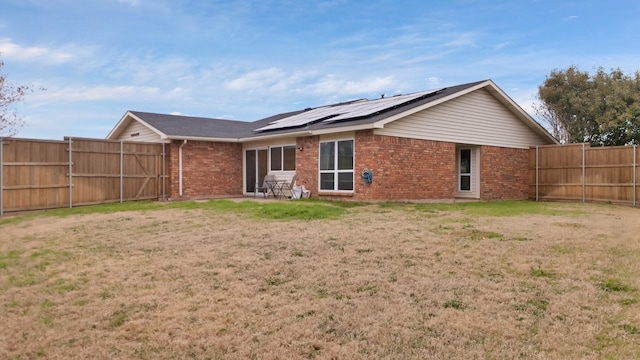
point(256, 163)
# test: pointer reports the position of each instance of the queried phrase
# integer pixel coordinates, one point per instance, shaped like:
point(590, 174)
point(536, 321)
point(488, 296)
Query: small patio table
point(276, 187)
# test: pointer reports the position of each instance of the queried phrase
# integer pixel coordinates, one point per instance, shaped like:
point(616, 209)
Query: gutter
point(184, 142)
point(240, 140)
point(275, 136)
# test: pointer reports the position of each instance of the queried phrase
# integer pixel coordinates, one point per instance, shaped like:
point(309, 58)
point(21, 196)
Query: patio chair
point(264, 189)
point(290, 186)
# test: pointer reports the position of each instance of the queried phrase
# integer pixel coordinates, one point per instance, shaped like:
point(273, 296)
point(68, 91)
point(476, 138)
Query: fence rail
point(45, 174)
point(580, 172)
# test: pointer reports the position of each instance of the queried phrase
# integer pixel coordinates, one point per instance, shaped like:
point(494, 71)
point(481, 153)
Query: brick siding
point(504, 173)
point(209, 169)
point(307, 163)
point(403, 169)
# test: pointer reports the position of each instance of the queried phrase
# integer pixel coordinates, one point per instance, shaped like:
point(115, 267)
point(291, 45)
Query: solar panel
point(341, 112)
point(375, 106)
point(303, 118)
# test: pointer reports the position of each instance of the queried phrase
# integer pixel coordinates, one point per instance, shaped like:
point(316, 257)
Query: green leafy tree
point(10, 94)
point(602, 109)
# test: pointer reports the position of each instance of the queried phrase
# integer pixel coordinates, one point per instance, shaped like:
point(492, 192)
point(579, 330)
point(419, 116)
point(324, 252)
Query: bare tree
point(557, 128)
point(10, 94)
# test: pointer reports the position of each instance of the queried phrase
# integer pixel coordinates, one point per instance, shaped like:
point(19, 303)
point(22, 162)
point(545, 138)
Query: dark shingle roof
point(176, 126)
point(365, 119)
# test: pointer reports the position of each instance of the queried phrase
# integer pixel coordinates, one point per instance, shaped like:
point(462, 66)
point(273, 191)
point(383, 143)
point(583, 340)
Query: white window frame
point(469, 174)
point(335, 170)
point(270, 170)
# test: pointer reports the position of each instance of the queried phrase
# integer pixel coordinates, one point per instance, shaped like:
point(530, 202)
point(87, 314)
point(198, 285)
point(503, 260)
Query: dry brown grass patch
point(379, 282)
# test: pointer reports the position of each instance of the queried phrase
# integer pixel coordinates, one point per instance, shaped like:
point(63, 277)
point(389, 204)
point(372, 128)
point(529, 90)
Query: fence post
point(70, 172)
point(1, 178)
point(635, 169)
point(537, 169)
point(163, 173)
point(121, 168)
point(584, 178)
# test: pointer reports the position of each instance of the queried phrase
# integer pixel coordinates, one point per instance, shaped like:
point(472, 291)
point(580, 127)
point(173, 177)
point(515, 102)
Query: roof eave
point(493, 89)
point(202, 138)
point(275, 136)
point(519, 112)
point(340, 129)
point(126, 120)
point(383, 122)
point(119, 126)
point(239, 140)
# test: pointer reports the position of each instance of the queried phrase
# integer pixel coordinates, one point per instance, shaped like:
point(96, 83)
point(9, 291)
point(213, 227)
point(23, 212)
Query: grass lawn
point(306, 279)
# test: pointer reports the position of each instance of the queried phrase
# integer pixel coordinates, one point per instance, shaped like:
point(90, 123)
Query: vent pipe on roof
point(180, 164)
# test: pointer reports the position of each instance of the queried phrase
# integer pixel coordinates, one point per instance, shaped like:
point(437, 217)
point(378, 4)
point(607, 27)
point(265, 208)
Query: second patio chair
point(289, 186)
point(264, 189)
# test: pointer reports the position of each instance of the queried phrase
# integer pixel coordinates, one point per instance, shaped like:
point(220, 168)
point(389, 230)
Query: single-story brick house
point(464, 141)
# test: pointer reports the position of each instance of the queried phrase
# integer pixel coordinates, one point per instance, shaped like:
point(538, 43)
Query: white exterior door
point(464, 169)
point(467, 168)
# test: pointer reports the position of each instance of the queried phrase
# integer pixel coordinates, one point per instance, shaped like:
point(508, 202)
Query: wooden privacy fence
point(580, 172)
point(43, 174)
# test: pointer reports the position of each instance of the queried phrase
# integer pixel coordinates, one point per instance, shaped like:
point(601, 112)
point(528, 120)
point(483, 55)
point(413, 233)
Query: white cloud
point(434, 82)
point(256, 80)
point(11, 50)
point(502, 45)
point(527, 98)
point(149, 69)
point(330, 4)
point(98, 93)
point(467, 39)
point(334, 86)
point(130, 2)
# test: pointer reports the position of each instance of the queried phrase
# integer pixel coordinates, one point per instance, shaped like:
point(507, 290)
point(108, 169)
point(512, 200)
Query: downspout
point(537, 173)
point(164, 175)
point(121, 170)
point(184, 142)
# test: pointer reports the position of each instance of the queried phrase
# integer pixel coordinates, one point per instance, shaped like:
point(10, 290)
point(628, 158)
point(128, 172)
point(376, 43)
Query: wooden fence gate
point(43, 174)
point(580, 172)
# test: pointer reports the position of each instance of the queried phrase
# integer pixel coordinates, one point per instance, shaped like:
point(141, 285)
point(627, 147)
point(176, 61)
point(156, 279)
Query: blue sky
point(246, 59)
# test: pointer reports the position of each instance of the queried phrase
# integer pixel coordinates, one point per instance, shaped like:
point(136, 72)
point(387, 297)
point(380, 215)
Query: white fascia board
point(274, 136)
point(493, 89)
point(160, 133)
point(519, 112)
point(240, 140)
point(345, 129)
point(126, 120)
point(118, 128)
point(201, 138)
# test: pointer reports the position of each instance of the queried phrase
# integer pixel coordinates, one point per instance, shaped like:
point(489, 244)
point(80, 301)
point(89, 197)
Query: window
point(336, 165)
point(465, 170)
point(283, 158)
